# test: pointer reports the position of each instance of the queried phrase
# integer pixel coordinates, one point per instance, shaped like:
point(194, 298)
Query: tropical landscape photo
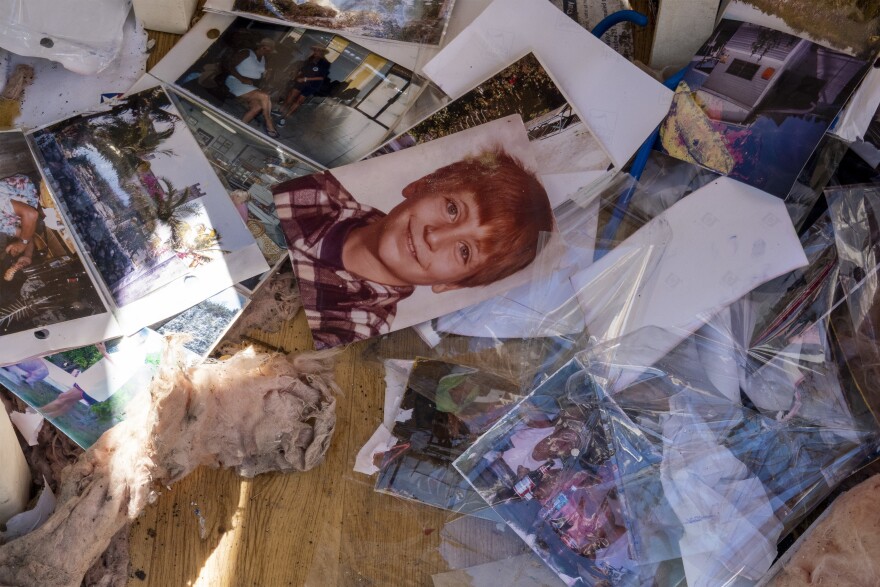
point(112, 173)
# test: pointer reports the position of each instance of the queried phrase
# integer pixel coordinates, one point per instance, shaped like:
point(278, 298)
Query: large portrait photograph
point(144, 203)
point(411, 21)
point(396, 240)
point(560, 140)
point(319, 94)
point(755, 102)
point(42, 280)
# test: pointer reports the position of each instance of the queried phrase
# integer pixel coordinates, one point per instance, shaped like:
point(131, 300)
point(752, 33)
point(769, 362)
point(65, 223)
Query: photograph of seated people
point(308, 82)
point(334, 100)
point(468, 224)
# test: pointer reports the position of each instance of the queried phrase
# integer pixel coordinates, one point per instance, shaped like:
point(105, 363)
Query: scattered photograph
point(206, 323)
point(411, 21)
point(319, 94)
point(145, 218)
point(444, 409)
point(84, 392)
point(400, 239)
point(549, 468)
point(847, 25)
point(755, 103)
point(589, 13)
point(249, 168)
point(42, 280)
point(560, 141)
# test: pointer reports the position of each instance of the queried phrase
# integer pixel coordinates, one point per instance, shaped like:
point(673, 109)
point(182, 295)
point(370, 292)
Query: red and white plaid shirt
point(340, 306)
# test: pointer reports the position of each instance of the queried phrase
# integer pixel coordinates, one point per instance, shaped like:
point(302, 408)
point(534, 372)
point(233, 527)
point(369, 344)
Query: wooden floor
point(326, 527)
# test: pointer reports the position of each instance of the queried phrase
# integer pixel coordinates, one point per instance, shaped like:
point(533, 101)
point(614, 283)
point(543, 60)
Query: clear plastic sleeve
point(85, 36)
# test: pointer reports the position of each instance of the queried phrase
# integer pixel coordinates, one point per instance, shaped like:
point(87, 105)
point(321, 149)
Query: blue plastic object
point(618, 17)
point(635, 170)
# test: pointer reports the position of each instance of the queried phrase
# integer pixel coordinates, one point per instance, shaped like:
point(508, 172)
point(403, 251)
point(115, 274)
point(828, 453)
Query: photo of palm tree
point(132, 180)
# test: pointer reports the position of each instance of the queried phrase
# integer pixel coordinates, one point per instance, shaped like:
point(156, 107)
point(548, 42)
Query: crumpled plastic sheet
point(701, 443)
point(83, 35)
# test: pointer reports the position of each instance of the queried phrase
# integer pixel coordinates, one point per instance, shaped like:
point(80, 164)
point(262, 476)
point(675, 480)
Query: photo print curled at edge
point(326, 98)
point(143, 220)
point(84, 391)
point(409, 21)
point(396, 240)
point(560, 140)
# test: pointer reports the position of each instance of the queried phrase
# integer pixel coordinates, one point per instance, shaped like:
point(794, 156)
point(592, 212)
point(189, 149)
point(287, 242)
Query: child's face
point(433, 239)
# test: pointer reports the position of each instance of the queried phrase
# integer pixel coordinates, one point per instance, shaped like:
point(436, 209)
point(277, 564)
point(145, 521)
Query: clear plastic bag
point(83, 35)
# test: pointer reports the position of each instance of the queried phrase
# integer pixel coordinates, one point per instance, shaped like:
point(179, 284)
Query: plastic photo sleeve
point(444, 409)
point(656, 277)
point(550, 469)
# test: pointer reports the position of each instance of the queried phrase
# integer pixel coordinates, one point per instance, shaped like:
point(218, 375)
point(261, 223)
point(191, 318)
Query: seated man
point(308, 81)
point(468, 224)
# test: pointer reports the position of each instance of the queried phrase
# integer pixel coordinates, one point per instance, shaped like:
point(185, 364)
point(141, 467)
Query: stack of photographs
point(444, 409)
point(248, 167)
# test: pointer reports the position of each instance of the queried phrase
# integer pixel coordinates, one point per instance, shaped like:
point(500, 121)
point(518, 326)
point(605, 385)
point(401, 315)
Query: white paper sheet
point(621, 104)
point(712, 248)
point(29, 424)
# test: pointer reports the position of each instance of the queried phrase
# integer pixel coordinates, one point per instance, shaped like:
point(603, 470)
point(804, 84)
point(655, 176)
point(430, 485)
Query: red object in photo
point(768, 73)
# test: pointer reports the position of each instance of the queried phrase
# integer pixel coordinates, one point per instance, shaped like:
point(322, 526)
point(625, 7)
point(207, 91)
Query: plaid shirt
point(340, 306)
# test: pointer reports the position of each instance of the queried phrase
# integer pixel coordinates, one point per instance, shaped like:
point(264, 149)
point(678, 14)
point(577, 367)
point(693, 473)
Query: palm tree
point(127, 144)
point(160, 202)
